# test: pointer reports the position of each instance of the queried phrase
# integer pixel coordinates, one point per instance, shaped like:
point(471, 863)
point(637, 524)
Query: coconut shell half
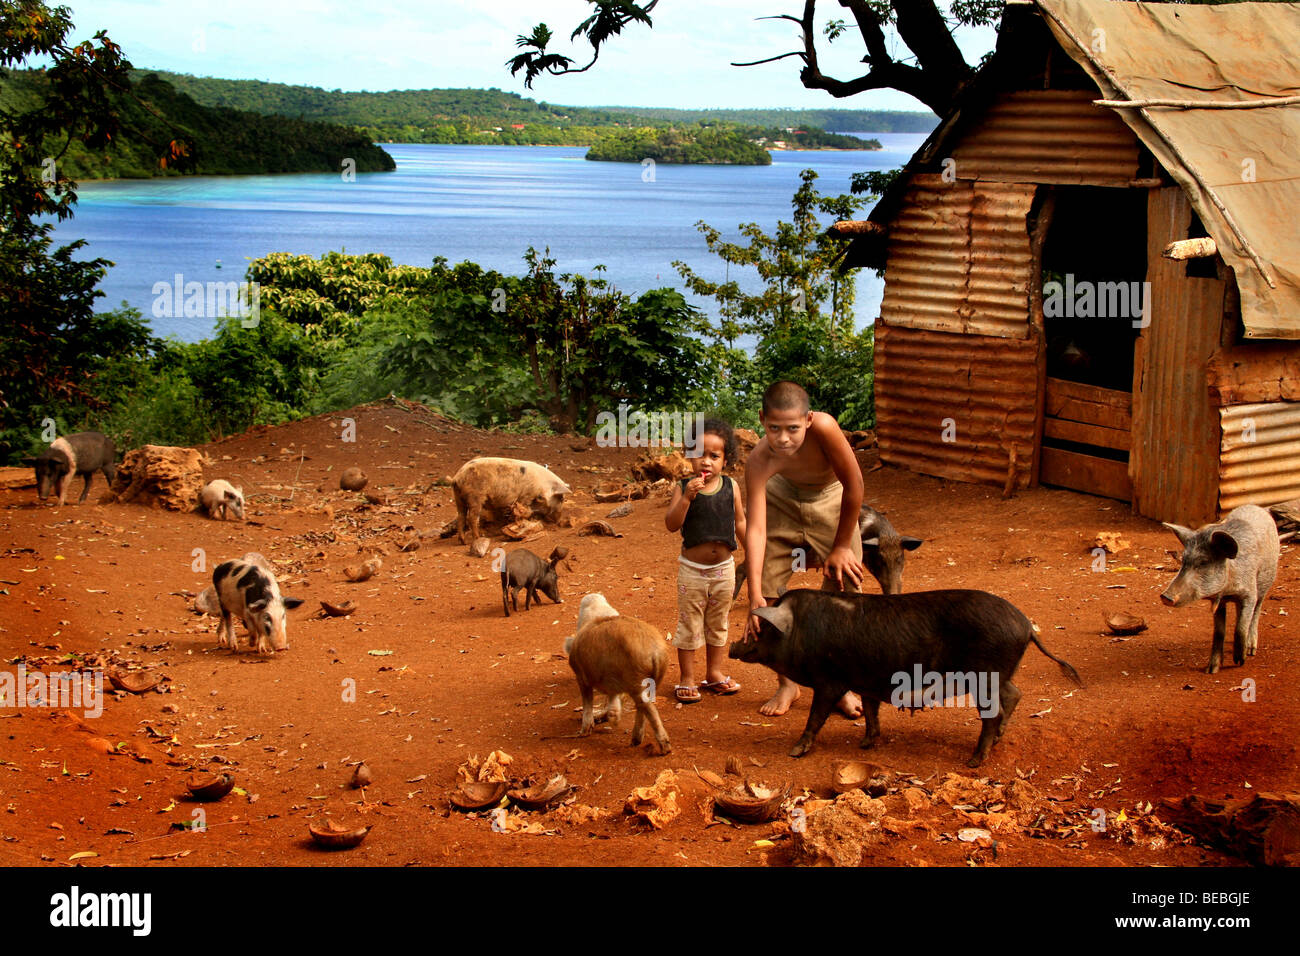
point(478, 796)
point(1121, 623)
point(137, 682)
point(206, 787)
point(543, 796)
point(335, 836)
point(751, 803)
point(849, 775)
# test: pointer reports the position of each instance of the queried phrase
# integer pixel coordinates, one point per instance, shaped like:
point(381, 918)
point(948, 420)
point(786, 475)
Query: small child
point(707, 510)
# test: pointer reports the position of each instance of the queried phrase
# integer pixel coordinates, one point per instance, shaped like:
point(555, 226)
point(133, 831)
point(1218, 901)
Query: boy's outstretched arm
point(841, 561)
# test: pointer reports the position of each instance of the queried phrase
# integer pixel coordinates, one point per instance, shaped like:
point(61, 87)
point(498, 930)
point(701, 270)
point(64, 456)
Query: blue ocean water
point(486, 204)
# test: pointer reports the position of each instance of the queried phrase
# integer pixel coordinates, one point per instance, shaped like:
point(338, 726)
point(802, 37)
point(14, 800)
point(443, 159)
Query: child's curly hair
point(715, 426)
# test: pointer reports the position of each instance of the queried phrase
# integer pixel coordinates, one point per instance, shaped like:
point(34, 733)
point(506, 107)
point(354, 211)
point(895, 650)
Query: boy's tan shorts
point(800, 518)
point(703, 603)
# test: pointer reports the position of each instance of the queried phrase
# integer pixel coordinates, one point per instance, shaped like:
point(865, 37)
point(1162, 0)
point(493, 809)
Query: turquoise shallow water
point(487, 204)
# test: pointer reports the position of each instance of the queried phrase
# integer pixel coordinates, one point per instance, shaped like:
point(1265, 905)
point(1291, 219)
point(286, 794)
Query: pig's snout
point(1166, 600)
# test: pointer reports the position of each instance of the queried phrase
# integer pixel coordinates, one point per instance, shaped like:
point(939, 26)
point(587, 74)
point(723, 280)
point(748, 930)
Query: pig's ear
point(910, 544)
point(292, 602)
point(871, 542)
point(1223, 545)
point(1184, 534)
point(781, 618)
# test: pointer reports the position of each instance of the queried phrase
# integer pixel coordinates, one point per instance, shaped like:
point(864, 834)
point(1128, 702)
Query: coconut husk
point(598, 527)
point(160, 476)
point(365, 571)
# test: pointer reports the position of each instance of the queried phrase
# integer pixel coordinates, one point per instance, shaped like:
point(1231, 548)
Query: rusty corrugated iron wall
point(1048, 136)
point(1259, 459)
point(977, 390)
point(959, 258)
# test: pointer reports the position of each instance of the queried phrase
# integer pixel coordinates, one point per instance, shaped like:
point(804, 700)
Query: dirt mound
point(160, 476)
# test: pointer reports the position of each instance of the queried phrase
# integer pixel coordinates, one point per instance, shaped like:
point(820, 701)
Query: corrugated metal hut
point(1033, 328)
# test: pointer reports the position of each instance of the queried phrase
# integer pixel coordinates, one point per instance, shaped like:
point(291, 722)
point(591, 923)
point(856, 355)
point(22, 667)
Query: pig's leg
point(110, 474)
point(1220, 628)
point(61, 486)
point(871, 711)
point(530, 595)
point(1239, 631)
point(647, 710)
point(588, 709)
point(1252, 630)
point(822, 704)
point(638, 725)
point(85, 490)
point(226, 627)
point(612, 711)
point(1008, 697)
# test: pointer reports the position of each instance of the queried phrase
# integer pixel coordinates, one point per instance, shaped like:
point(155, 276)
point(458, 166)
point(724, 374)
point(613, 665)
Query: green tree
point(53, 337)
point(803, 317)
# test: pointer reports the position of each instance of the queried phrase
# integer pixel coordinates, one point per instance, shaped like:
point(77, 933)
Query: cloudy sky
point(417, 44)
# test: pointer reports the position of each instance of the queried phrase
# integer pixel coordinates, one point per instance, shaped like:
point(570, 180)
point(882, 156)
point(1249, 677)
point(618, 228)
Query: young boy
point(802, 484)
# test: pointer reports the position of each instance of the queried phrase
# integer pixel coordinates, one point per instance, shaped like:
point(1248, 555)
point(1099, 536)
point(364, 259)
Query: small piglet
point(246, 589)
point(883, 552)
point(618, 655)
point(1233, 561)
point(207, 601)
point(875, 644)
point(81, 454)
point(523, 569)
point(221, 495)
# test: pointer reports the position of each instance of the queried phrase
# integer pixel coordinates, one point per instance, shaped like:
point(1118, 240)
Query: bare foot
point(850, 706)
point(786, 694)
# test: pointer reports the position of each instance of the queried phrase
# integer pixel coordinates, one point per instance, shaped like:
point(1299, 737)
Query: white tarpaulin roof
point(1239, 166)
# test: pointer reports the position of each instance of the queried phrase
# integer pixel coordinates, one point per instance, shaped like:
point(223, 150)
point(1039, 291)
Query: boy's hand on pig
point(751, 627)
point(841, 564)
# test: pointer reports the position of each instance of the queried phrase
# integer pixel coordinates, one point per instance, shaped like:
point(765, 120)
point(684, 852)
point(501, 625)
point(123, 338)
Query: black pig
point(875, 644)
point(523, 569)
point(81, 454)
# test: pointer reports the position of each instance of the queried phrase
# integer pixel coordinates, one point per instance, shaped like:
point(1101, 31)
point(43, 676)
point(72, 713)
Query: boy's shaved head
point(784, 397)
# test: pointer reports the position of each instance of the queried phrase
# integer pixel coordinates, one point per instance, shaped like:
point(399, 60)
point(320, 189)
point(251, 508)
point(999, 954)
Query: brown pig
point(501, 484)
point(618, 655)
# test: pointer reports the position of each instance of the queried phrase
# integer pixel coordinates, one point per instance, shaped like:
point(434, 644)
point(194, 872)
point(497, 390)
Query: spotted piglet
point(249, 591)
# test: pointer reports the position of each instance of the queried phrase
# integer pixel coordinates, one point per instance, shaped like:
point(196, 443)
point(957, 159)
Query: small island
point(714, 144)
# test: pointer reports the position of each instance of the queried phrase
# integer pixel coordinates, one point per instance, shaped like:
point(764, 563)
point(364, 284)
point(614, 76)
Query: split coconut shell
point(751, 803)
point(136, 682)
point(543, 796)
point(478, 796)
point(849, 775)
point(336, 836)
point(1121, 623)
point(206, 787)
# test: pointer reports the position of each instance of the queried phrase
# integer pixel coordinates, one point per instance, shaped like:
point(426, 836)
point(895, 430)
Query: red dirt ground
point(111, 580)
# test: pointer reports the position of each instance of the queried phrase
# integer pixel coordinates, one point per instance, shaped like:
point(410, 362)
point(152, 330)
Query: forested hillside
point(493, 116)
point(222, 141)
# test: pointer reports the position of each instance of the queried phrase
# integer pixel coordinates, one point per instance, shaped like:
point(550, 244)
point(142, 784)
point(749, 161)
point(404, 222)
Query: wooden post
point(1037, 327)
